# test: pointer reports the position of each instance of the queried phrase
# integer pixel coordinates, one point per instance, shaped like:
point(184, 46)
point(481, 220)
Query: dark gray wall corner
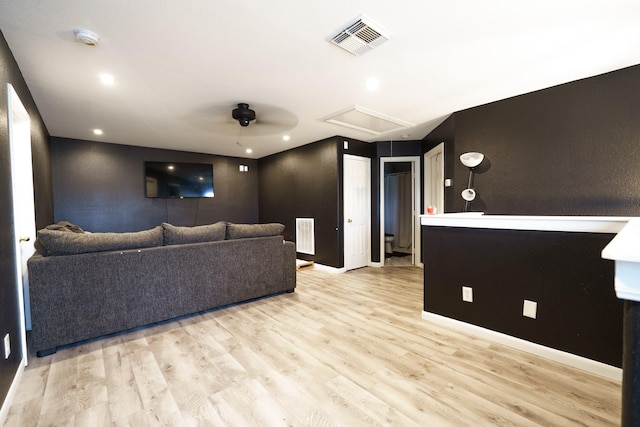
point(304, 183)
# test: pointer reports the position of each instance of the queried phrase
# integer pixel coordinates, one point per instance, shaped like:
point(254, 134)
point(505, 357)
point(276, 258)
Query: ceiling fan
point(254, 119)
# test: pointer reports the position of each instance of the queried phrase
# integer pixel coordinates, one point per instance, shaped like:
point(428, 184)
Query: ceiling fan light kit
point(243, 114)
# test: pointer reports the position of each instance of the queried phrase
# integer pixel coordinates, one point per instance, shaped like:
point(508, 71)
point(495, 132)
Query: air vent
point(360, 36)
point(305, 242)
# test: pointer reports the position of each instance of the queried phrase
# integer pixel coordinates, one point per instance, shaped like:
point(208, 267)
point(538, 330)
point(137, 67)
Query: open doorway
point(399, 204)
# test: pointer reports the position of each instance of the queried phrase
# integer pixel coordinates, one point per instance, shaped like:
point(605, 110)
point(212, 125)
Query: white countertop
point(626, 245)
point(624, 249)
point(588, 224)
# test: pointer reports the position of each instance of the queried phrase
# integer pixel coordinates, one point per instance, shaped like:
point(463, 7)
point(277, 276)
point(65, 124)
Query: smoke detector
point(87, 37)
point(360, 36)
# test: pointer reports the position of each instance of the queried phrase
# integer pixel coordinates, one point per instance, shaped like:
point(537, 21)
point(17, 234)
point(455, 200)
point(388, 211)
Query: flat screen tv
point(178, 180)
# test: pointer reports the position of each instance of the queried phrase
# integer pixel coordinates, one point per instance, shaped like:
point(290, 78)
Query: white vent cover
point(360, 36)
point(305, 243)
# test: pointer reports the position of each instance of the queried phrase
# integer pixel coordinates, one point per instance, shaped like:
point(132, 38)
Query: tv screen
point(178, 180)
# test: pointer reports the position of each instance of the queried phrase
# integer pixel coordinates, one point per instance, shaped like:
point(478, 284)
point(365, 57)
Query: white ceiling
point(180, 67)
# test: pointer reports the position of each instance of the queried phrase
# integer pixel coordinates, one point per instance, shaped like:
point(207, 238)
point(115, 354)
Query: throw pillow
point(174, 235)
point(244, 231)
point(54, 242)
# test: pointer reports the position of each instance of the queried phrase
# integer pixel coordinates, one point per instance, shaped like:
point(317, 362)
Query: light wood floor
point(343, 350)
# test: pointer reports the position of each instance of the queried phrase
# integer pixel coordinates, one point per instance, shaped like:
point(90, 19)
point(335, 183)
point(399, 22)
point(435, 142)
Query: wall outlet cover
point(467, 294)
point(7, 346)
point(529, 309)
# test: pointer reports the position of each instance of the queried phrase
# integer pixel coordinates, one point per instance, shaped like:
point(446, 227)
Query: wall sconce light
point(470, 160)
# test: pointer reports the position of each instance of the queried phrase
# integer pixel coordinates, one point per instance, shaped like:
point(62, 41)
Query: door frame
point(415, 206)
point(438, 149)
point(15, 108)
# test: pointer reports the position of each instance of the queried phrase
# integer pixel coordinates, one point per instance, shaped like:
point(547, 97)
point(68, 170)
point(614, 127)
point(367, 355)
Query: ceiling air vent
point(360, 36)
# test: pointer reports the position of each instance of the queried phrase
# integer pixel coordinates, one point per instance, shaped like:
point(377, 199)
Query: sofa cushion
point(243, 231)
point(174, 235)
point(55, 242)
point(64, 226)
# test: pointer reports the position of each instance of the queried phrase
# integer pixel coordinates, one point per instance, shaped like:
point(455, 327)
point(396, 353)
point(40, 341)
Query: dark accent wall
point(572, 149)
point(306, 182)
point(100, 187)
point(9, 308)
point(578, 311)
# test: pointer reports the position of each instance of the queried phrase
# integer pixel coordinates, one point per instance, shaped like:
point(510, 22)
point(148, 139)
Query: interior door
point(23, 200)
point(434, 179)
point(357, 211)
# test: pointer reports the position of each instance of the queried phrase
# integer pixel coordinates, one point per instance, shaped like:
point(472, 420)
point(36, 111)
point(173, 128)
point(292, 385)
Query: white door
point(23, 204)
point(434, 179)
point(357, 211)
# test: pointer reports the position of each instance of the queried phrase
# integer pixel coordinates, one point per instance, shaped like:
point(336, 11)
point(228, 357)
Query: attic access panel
point(367, 120)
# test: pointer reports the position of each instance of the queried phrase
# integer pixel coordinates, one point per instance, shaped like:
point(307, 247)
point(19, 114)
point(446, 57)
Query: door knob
point(25, 239)
point(349, 220)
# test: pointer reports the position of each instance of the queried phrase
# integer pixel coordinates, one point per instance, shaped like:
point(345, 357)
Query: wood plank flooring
point(343, 350)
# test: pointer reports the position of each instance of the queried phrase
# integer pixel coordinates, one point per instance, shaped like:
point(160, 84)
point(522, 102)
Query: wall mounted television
point(175, 180)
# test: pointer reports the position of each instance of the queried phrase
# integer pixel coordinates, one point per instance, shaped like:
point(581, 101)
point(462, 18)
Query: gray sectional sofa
point(86, 285)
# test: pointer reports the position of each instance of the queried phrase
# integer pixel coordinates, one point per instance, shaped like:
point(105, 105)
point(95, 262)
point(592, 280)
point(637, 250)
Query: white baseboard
point(4, 411)
point(569, 359)
point(328, 269)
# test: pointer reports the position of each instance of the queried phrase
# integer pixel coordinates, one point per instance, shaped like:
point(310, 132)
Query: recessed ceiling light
point(249, 151)
point(107, 79)
point(286, 138)
point(373, 84)
point(97, 132)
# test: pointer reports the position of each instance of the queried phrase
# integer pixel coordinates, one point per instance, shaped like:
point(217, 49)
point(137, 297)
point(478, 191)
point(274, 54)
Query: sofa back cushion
point(244, 231)
point(55, 242)
point(174, 235)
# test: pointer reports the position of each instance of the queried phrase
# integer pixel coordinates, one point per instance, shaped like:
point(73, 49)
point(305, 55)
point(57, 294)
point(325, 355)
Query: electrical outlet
point(529, 309)
point(7, 346)
point(467, 294)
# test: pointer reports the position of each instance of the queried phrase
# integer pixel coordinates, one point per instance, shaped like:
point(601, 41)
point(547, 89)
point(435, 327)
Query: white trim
point(16, 108)
point(586, 224)
point(328, 269)
point(569, 359)
point(4, 410)
point(415, 169)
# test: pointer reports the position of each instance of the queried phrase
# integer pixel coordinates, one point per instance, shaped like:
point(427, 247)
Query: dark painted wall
point(572, 149)
point(578, 311)
point(306, 182)
point(9, 309)
point(100, 187)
